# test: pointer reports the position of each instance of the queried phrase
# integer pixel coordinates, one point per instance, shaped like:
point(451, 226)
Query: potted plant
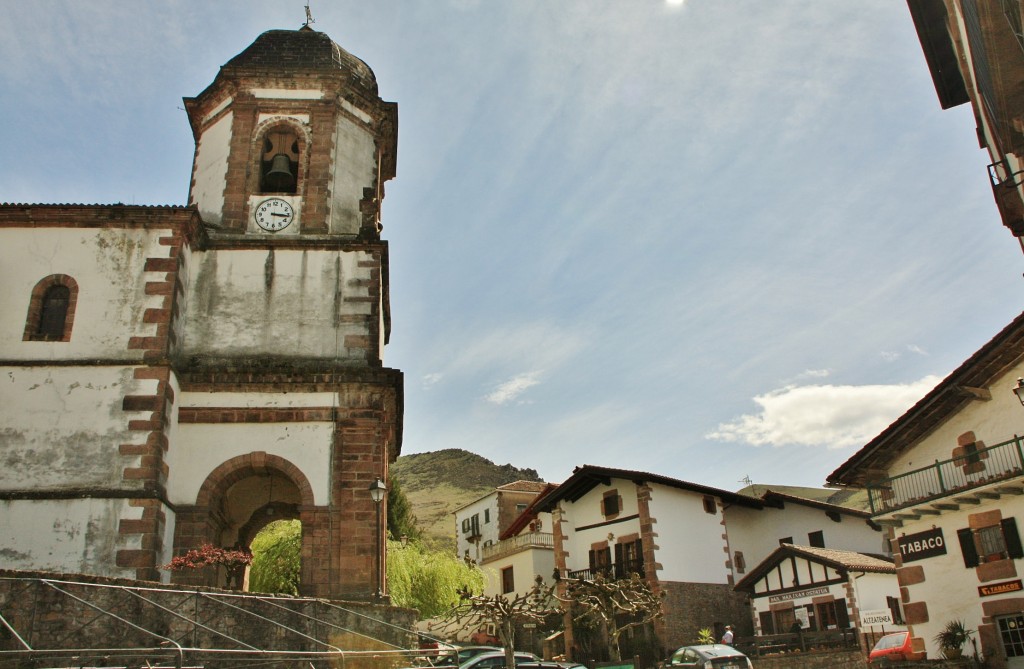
point(952, 638)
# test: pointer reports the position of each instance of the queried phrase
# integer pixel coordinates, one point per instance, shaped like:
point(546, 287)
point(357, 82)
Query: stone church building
point(180, 375)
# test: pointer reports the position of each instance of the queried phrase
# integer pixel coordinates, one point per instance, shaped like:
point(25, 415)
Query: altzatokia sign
point(922, 545)
point(999, 588)
point(797, 595)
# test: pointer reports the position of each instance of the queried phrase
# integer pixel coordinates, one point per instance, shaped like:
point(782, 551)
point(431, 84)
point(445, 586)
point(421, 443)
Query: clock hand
point(279, 215)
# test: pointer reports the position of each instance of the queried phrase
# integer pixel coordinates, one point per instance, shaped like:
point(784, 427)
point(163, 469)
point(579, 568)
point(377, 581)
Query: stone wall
point(51, 612)
point(693, 606)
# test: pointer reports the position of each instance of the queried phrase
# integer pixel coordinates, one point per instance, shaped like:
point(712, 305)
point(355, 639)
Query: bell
point(279, 177)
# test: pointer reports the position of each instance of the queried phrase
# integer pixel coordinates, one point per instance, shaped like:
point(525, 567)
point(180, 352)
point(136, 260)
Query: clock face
point(274, 214)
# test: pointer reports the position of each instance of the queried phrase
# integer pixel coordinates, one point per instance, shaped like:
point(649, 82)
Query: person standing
point(728, 636)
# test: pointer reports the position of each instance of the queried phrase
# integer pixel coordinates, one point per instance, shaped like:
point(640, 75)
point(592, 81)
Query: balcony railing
point(615, 571)
point(516, 544)
point(972, 470)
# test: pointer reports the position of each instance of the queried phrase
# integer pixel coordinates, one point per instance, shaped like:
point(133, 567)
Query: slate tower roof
point(303, 50)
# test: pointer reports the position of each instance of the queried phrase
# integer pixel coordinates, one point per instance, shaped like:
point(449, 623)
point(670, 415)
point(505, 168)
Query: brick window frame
point(611, 504)
point(970, 453)
point(35, 308)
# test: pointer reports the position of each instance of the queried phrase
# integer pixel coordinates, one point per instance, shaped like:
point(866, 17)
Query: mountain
point(439, 482)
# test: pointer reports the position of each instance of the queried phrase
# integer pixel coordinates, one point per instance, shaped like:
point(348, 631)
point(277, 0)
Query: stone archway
point(237, 499)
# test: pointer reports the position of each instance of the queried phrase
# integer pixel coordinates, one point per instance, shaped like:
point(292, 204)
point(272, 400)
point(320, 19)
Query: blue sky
point(713, 240)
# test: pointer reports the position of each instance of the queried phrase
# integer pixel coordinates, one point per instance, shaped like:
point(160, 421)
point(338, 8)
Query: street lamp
point(377, 493)
point(1018, 390)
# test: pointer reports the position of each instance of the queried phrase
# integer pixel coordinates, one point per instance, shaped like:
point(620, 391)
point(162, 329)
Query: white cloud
point(514, 387)
point(430, 380)
point(914, 348)
point(823, 415)
point(815, 374)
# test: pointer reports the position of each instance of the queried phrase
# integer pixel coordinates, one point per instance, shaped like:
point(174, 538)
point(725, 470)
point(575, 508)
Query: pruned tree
point(614, 605)
point(504, 613)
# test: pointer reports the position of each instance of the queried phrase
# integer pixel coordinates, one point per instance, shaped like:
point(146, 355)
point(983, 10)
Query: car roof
point(714, 650)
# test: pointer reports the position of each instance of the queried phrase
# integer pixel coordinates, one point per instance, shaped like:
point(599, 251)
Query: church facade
point(175, 376)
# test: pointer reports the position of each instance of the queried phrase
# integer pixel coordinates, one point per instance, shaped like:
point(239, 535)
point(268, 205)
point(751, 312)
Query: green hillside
point(440, 482)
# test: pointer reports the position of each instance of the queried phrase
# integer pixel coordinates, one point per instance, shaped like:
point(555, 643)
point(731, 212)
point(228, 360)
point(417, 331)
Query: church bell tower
point(292, 140)
point(284, 409)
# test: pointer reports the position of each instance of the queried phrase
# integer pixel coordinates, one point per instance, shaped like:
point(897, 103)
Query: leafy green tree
point(276, 558)
point(430, 581)
point(401, 521)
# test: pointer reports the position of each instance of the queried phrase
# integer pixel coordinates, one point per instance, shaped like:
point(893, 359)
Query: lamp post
point(377, 492)
point(1018, 390)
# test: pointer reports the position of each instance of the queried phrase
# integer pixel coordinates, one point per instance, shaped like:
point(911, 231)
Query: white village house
point(947, 480)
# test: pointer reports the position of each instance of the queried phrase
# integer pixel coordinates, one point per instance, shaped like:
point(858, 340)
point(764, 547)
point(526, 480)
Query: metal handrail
point(964, 472)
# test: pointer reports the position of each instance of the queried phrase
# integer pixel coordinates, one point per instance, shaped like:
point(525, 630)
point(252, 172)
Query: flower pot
point(952, 653)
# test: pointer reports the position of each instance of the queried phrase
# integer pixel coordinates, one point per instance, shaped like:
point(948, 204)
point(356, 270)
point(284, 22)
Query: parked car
point(496, 660)
point(891, 648)
point(710, 656)
point(469, 652)
point(549, 664)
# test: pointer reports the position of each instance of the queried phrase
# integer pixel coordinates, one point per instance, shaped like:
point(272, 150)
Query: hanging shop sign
point(922, 545)
point(1000, 588)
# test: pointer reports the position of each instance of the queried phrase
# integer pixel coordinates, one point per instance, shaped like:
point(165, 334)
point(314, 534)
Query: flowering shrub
point(210, 555)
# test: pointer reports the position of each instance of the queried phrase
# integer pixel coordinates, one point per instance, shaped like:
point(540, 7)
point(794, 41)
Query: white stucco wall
point(950, 589)
point(67, 536)
point(690, 543)
point(275, 303)
point(993, 421)
point(486, 505)
point(756, 532)
point(355, 168)
point(201, 448)
point(107, 265)
point(584, 525)
point(211, 168)
point(526, 566)
point(61, 426)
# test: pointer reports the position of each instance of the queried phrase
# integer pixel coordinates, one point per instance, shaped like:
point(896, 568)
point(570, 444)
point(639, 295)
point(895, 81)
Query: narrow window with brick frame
point(51, 309)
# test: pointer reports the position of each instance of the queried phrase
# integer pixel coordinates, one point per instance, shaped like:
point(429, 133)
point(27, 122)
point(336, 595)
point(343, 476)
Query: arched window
point(279, 161)
point(51, 310)
point(54, 313)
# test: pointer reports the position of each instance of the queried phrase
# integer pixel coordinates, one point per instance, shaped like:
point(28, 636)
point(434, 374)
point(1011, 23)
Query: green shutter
point(1012, 538)
point(966, 537)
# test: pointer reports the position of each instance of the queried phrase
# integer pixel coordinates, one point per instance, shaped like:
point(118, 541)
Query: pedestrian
point(728, 636)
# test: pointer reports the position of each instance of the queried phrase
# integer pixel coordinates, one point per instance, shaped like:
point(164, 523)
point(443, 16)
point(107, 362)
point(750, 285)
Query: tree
point(277, 558)
point(430, 581)
point(505, 614)
point(401, 521)
point(615, 605)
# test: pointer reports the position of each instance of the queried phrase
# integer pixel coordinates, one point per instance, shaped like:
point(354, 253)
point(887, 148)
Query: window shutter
point(1012, 538)
point(966, 537)
point(842, 616)
point(592, 557)
point(639, 555)
point(767, 624)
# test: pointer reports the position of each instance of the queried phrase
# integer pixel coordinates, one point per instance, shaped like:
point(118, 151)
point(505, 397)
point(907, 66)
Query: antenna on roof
point(309, 17)
point(746, 480)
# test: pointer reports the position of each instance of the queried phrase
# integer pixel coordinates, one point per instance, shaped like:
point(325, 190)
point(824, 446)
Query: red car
point(893, 648)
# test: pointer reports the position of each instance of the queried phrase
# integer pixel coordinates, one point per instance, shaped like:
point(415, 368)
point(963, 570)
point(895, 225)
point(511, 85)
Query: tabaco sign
point(1000, 588)
point(922, 545)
